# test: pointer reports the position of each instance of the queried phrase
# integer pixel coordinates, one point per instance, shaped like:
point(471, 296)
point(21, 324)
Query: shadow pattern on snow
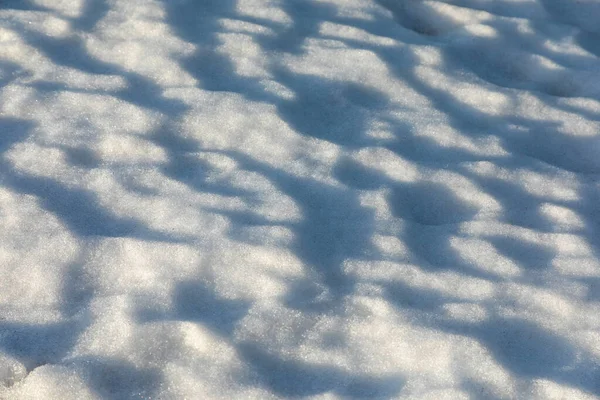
point(334, 226)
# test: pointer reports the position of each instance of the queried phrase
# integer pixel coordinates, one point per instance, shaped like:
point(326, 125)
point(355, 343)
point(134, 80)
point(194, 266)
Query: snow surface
point(325, 199)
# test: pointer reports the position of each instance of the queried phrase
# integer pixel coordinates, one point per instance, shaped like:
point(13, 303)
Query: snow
point(323, 199)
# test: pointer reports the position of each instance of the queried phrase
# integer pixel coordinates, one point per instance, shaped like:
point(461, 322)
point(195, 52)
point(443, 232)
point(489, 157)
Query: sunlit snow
point(322, 199)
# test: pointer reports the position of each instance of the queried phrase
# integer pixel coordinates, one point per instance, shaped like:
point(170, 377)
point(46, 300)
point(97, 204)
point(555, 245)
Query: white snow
point(323, 199)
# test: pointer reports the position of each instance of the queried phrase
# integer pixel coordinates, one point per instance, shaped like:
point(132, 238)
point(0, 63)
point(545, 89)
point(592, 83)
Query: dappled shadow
point(527, 254)
point(417, 17)
point(196, 302)
point(112, 378)
point(297, 379)
point(429, 204)
point(12, 131)
point(529, 351)
point(184, 166)
point(306, 17)
point(199, 303)
point(357, 176)
point(197, 22)
point(27, 5)
point(35, 345)
point(80, 211)
point(335, 225)
point(93, 12)
point(67, 52)
point(590, 42)
point(328, 110)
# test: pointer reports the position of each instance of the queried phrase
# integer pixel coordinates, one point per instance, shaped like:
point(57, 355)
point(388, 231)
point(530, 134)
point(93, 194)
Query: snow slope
point(325, 199)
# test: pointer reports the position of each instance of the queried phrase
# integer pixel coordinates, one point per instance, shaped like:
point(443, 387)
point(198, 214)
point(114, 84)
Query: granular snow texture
point(322, 199)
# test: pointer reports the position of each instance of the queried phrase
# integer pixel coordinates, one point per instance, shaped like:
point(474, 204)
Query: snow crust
point(322, 199)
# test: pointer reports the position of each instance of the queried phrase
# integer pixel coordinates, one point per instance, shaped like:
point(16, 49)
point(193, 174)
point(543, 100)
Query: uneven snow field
point(324, 199)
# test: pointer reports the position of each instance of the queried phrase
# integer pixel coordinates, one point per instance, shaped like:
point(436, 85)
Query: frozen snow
point(324, 199)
